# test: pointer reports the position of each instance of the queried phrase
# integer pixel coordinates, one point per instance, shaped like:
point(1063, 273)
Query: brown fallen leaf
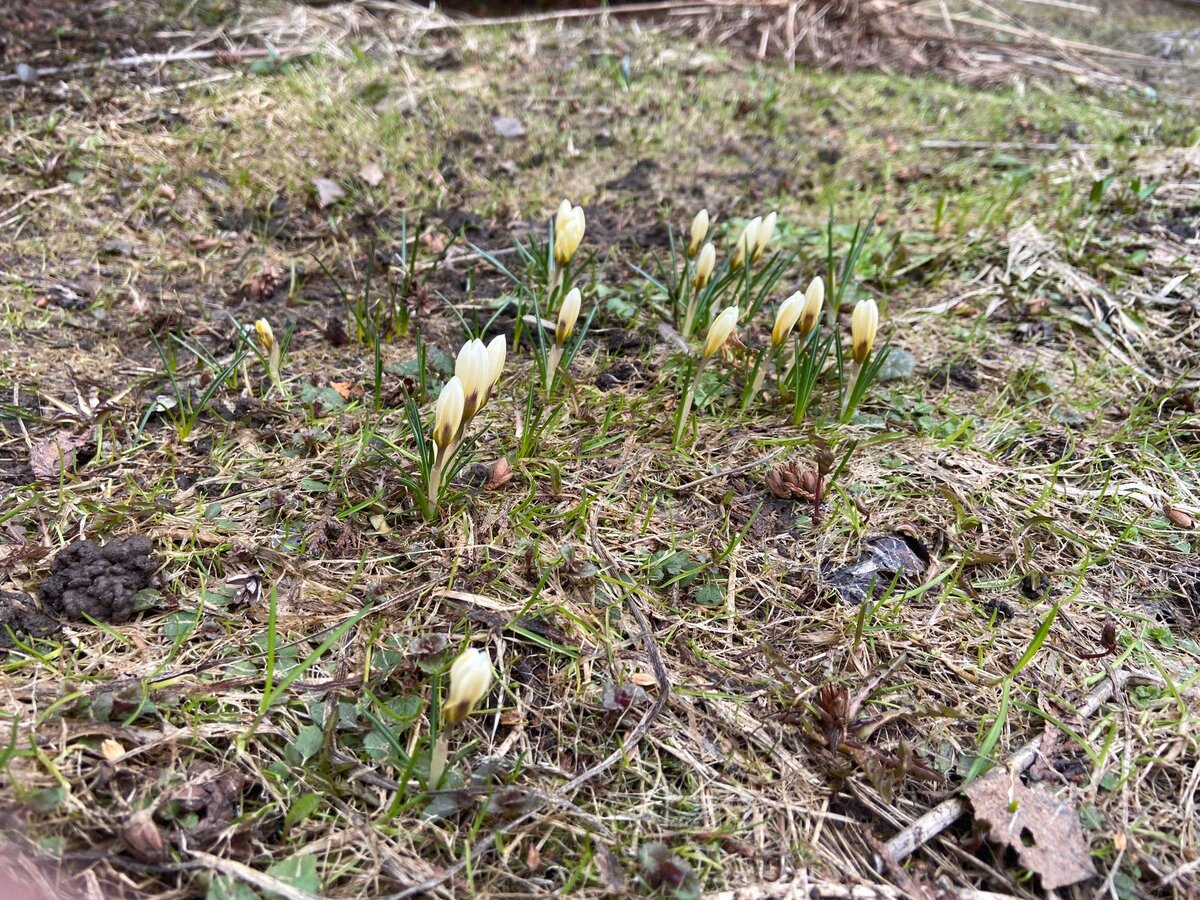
point(501, 475)
point(1043, 830)
point(143, 838)
point(50, 458)
point(643, 679)
point(111, 750)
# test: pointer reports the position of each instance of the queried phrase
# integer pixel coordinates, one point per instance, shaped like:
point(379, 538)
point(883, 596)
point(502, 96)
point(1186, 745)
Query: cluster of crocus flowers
point(799, 312)
point(703, 257)
point(471, 677)
point(477, 369)
point(266, 340)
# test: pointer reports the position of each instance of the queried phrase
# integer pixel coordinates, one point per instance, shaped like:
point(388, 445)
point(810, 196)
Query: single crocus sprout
point(266, 337)
point(448, 414)
point(747, 243)
point(762, 237)
point(705, 263)
point(569, 226)
point(699, 231)
point(814, 298)
point(473, 367)
point(470, 680)
point(567, 315)
point(497, 349)
point(864, 322)
point(785, 320)
point(720, 330)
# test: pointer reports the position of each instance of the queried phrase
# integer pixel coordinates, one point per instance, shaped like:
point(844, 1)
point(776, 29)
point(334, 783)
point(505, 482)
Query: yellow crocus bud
point(785, 319)
point(720, 330)
point(497, 350)
point(567, 315)
point(705, 263)
point(470, 680)
point(473, 367)
point(814, 298)
point(448, 414)
point(266, 337)
point(699, 231)
point(569, 226)
point(864, 322)
point(762, 237)
point(746, 244)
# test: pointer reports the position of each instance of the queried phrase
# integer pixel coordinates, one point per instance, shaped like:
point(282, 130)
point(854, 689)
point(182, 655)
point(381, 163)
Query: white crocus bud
point(497, 350)
point(473, 366)
point(448, 414)
point(814, 298)
point(785, 319)
point(470, 680)
point(266, 337)
point(567, 316)
point(720, 330)
point(699, 231)
point(762, 237)
point(569, 226)
point(864, 322)
point(705, 263)
point(746, 244)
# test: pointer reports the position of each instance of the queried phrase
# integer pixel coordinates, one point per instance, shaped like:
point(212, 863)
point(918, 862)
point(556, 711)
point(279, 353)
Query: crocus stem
point(685, 409)
point(435, 481)
point(691, 297)
point(437, 759)
point(552, 360)
point(853, 388)
point(761, 372)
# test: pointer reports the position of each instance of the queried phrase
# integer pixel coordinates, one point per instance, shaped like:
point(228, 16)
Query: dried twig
point(148, 59)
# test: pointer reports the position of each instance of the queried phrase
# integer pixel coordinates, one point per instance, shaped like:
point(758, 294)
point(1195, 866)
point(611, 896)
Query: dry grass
point(276, 743)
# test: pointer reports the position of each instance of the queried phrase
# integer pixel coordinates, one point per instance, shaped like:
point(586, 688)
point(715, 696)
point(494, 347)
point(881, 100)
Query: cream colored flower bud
point(864, 322)
point(699, 231)
point(497, 350)
point(448, 414)
point(746, 244)
point(473, 366)
point(720, 330)
point(567, 315)
point(705, 263)
point(470, 680)
point(569, 226)
point(785, 319)
point(763, 236)
point(266, 337)
point(814, 298)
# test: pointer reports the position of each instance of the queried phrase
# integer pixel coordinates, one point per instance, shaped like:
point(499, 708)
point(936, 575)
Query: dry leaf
point(643, 679)
point(501, 475)
point(55, 455)
point(371, 174)
point(343, 388)
point(533, 858)
point(511, 717)
point(328, 191)
point(1043, 830)
point(111, 750)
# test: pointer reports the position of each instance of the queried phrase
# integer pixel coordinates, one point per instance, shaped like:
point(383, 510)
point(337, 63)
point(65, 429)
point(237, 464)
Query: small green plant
point(719, 333)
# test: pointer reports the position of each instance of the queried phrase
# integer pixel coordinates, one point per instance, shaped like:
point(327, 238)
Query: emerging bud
point(470, 680)
point(448, 415)
point(473, 367)
point(705, 263)
point(746, 244)
point(814, 297)
point(699, 231)
point(720, 330)
point(864, 322)
point(762, 237)
point(567, 315)
point(785, 319)
point(569, 225)
point(497, 349)
point(266, 337)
